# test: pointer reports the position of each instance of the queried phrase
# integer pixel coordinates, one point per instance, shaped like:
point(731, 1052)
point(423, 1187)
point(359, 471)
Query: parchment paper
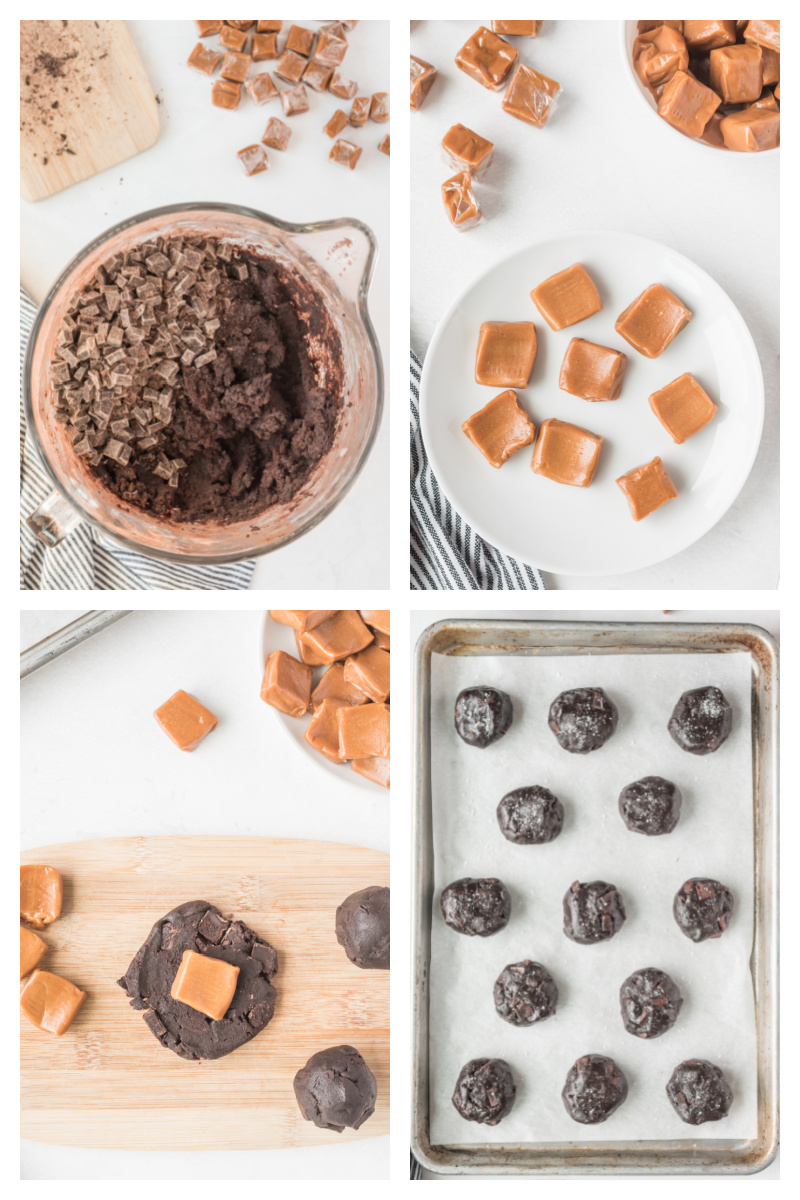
point(714, 837)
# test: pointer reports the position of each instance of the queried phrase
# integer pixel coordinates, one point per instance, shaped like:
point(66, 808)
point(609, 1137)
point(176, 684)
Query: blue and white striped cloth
point(85, 560)
point(446, 554)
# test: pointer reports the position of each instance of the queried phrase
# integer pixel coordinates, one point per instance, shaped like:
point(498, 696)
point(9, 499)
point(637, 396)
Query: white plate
point(589, 531)
point(275, 636)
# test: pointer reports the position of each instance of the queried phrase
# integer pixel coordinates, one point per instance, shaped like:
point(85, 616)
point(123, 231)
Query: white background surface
point(247, 777)
point(195, 159)
point(604, 162)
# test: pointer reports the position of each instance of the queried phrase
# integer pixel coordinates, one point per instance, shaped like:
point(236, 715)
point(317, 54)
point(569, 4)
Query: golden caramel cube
point(683, 407)
point(41, 894)
point(364, 731)
point(531, 96)
point(265, 46)
point(487, 58)
point(205, 983)
point(232, 39)
point(566, 453)
point(341, 635)
point(185, 720)
point(687, 104)
point(736, 73)
point(334, 686)
point(300, 40)
point(204, 60)
point(423, 76)
point(567, 297)
point(592, 372)
point(261, 89)
point(764, 33)
point(657, 54)
point(50, 1002)
point(459, 201)
point(369, 670)
point(290, 66)
point(323, 729)
point(517, 28)
point(226, 95)
point(752, 129)
point(506, 353)
point(467, 150)
point(647, 488)
point(500, 428)
point(301, 619)
point(32, 950)
point(235, 67)
point(376, 769)
point(377, 618)
point(286, 684)
point(653, 319)
point(305, 652)
point(703, 36)
point(276, 134)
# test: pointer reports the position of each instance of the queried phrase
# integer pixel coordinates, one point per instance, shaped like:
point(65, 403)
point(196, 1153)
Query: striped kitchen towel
point(446, 554)
point(85, 559)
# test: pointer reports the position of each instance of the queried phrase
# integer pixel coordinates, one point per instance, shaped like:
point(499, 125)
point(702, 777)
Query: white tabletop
point(195, 159)
point(604, 162)
point(101, 696)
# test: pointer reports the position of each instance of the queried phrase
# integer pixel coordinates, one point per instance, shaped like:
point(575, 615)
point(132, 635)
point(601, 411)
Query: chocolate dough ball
point(485, 1091)
point(650, 1002)
point(702, 908)
point(482, 715)
point(699, 1092)
point(651, 805)
point(530, 816)
point(593, 912)
point(362, 927)
point(477, 907)
point(336, 1089)
point(525, 992)
point(595, 1088)
point(701, 720)
point(583, 719)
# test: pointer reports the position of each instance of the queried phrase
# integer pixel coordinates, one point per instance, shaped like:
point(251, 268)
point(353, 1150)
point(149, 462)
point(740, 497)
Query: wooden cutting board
point(85, 103)
point(108, 1082)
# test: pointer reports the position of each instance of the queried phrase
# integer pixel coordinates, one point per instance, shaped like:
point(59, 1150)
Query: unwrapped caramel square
point(300, 40)
point(517, 28)
point(506, 353)
point(487, 58)
point(235, 67)
point(323, 729)
point(752, 129)
point(301, 619)
point(687, 104)
point(50, 1002)
point(342, 87)
point(770, 65)
point(460, 204)
point(207, 28)
point(647, 488)
point(337, 123)
point(422, 80)
point(657, 54)
point(225, 94)
point(232, 39)
point(364, 731)
point(566, 453)
point(369, 670)
point(652, 320)
point(376, 769)
point(317, 75)
point(32, 950)
point(736, 73)
point(330, 50)
point(261, 88)
point(305, 653)
point(683, 407)
point(531, 96)
point(377, 618)
point(567, 297)
point(290, 66)
point(359, 111)
point(703, 36)
point(467, 150)
point(764, 33)
point(269, 26)
point(265, 46)
point(294, 100)
point(41, 894)
point(379, 107)
point(592, 372)
point(205, 983)
point(334, 686)
point(185, 720)
point(500, 428)
point(340, 636)
point(204, 60)
point(286, 684)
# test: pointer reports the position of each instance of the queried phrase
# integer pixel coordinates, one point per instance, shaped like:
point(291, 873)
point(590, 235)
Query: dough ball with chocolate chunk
point(362, 927)
point(525, 992)
point(650, 806)
point(699, 1092)
point(702, 908)
point(530, 816)
point(593, 912)
point(485, 1091)
point(583, 719)
point(477, 907)
point(336, 1089)
point(701, 720)
point(595, 1088)
point(482, 715)
point(650, 1002)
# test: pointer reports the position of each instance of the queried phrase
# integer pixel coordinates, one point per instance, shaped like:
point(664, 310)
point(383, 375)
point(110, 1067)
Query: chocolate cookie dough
point(702, 908)
point(701, 720)
point(485, 1091)
point(530, 816)
point(482, 715)
point(650, 1002)
point(699, 1092)
point(476, 907)
point(583, 719)
point(525, 992)
point(593, 912)
point(336, 1089)
point(362, 927)
point(650, 806)
point(595, 1088)
point(200, 381)
point(199, 926)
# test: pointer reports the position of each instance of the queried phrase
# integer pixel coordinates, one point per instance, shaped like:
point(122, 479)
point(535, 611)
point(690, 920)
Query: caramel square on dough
point(300, 40)
point(323, 729)
point(658, 54)
point(226, 95)
point(423, 76)
point(687, 104)
point(487, 58)
point(376, 769)
point(764, 33)
point(752, 129)
point(235, 67)
point(204, 60)
point(683, 407)
point(703, 36)
point(345, 153)
point(205, 983)
point(364, 731)
point(500, 428)
point(592, 372)
point(276, 134)
point(369, 670)
point(506, 353)
point(566, 453)
point(518, 28)
point(531, 96)
point(260, 88)
point(334, 686)
point(286, 684)
point(185, 720)
point(652, 320)
point(459, 201)
point(50, 1002)
point(377, 618)
point(290, 66)
point(567, 297)
point(340, 636)
point(736, 73)
point(253, 159)
point(647, 488)
point(301, 619)
point(32, 950)
point(265, 46)
point(41, 894)
point(467, 150)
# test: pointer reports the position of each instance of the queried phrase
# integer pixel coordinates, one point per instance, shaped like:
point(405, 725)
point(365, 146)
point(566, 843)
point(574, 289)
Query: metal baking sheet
point(67, 638)
point(711, 1155)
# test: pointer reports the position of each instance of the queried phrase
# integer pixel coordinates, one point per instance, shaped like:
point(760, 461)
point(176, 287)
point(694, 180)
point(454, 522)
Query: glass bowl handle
point(346, 249)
